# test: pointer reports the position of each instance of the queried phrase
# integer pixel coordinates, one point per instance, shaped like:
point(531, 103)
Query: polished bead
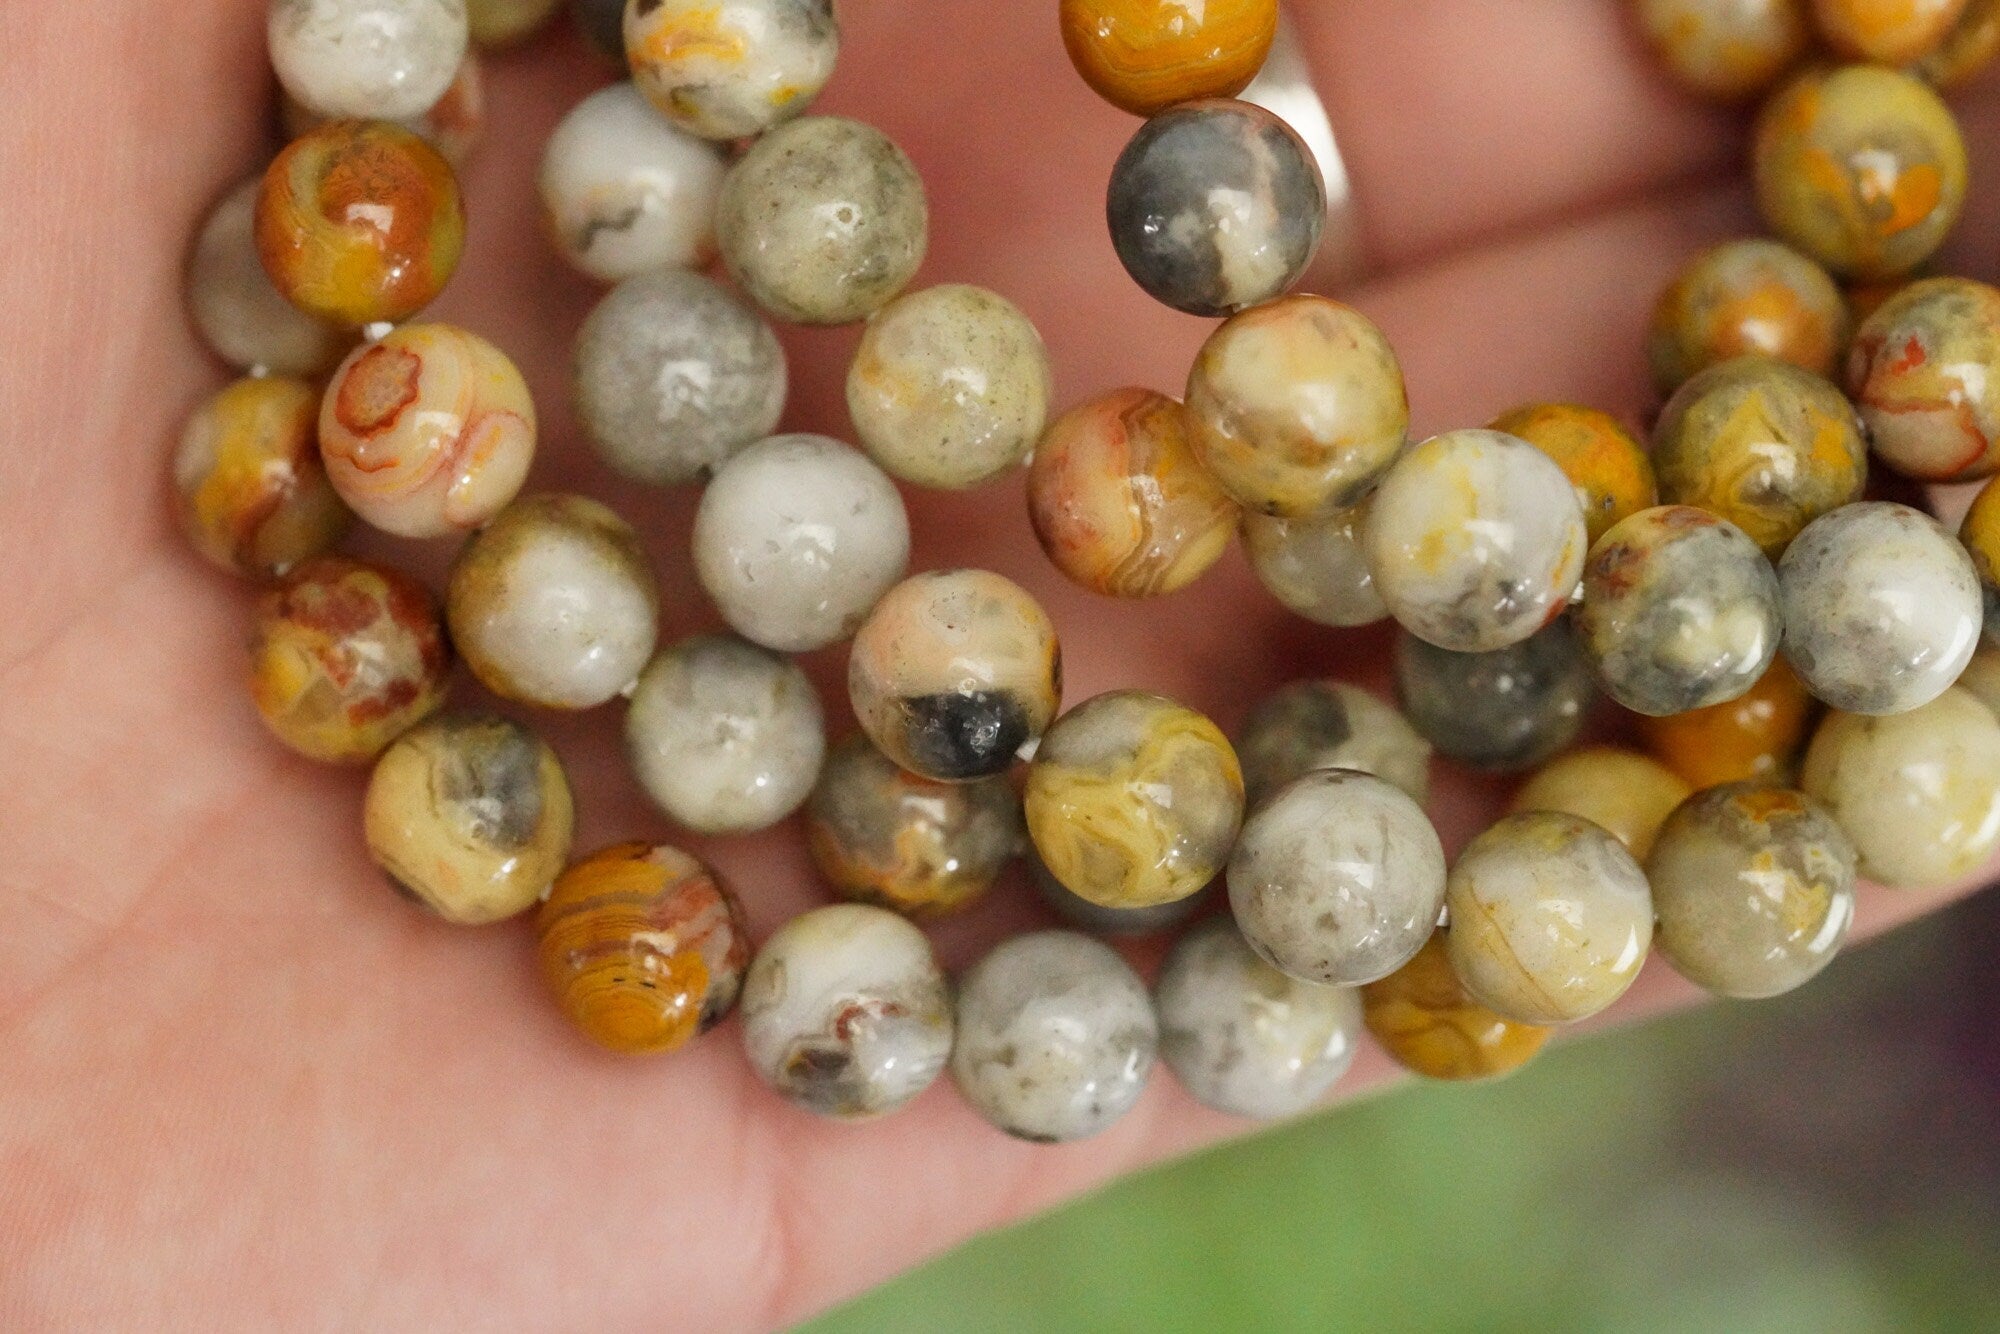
point(1964, 51)
point(1311, 725)
point(249, 489)
point(1315, 566)
point(728, 69)
point(1476, 540)
point(1244, 1038)
point(1623, 793)
point(1338, 878)
point(1749, 296)
point(1606, 466)
point(1981, 678)
point(1144, 56)
point(1134, 800)
point(428, 432)
point(1423, 1017)
point(1726, 49)
point(726, 737)
point(1506, 710)
point(1979, 534)
point(1925, 375)
point(846, 1012)
point(1757, 735)
point(1056, 1037)
point(554, 603)
point(1893, 32)
point(454, 124)
point(237, 310)
point(1550, 918)
point(470, 815)
point(344, 657)
point(372, 59)
point(1099, 920)
point(796, 540)
point(643, 947)
point(1882, 608)
point(1215, 206)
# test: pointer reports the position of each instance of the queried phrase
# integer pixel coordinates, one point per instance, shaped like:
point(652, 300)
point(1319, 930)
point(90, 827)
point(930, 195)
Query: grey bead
point(1311, 725)
point(1085, 915)
point(1502, 711)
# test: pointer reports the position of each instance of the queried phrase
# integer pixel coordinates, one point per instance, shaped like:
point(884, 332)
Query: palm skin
point(247, 1087)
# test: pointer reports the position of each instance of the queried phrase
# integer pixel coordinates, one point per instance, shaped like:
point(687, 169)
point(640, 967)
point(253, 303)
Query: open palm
point(242, 1084)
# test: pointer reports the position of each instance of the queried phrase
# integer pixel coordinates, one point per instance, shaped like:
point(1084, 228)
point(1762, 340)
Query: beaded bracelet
point(1530, 564)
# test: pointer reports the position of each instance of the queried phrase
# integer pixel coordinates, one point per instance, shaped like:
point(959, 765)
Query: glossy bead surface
point(1754, 886)
point(846, 1012)
point(1679, 611)
point(1476, 540)
point(1244, 1038)
point(1925, 375)
point(1550, 918)
point(1964, 51)
point(823, 221)
point(428, 432)
point(643, 947)
point(950, 386)
point(1502, 711)
point(1099, 920)
point(726, 737)
point(1119, 501)
point(242, 317)
point(1422, 1016)
point(1979, 534)
point(369, 59)
point(501, 23)
point(1760, 443)
point(344, 657)
point(1748, 296)
point(1726, 49)
point(1860, 167)
point(470, 816)
point(1297, 406)
point(554, 603)
point(359, 222)
point(1605, 465)
point(1315, 566)
point(454, 124)
point(1892, 32)
point(623, 191)
point(1621, 792)
point(1144, 56)
point(675, 375)
point(1311, 725)
point(1215, 206)
point(1337, 879)
point(884, 836)
point(1882, 608)
point(1056, 1037)
point(728, 69)
point(1134, 800)
point(249, 489)
point(1757, 735)
point(796, 540)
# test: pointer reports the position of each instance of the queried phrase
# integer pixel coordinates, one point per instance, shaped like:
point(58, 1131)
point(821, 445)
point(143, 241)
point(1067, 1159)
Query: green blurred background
point(1827, 1162)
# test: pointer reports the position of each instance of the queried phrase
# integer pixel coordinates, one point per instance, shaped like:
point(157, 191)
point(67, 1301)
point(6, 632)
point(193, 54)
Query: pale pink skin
point(239, 1070)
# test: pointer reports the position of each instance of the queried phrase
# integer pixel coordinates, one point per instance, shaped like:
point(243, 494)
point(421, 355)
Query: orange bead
point(1757, 736)
point(643, 947)
point(252, 495)
point(1607, 466)
point(1966, 50)
point(1146, 55)
point(1894, 32)
point(1747, 296)
point(1424, 1019)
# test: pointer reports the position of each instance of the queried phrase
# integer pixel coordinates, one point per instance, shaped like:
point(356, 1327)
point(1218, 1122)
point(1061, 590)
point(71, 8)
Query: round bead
point(1476, 540)
point(1134, 800)
point(1757, 735)
point(624, 192)
point(1315, 566)
point(1501, 711)
point(883, 836)
point(1860, 167)
point(238, 312)
point(428, 432)
point(846, 1012)
point(823, 221)
point(643, 947)
point(1607, 468)
point(1119, 501)
point(1726, 49)
point(1918, 792)
point(602, 24)
point(1964, 51)
point(954, 672)
point(1087, 916)
point(796, 540)
point(344, 657)
point(675, 375)
point(1979, 534)
point(1982, 678)
point(1215, 206)
point(1623, 793)
point(1679, 611)
point(1893, 34)
point(1760, 443)
point(1056, 1037)
point(725, 736)
point(250, 491)
point(1310, 725)
point(728, 69)
point(501, 23)
point(1297, 406)
point(367, 59)
point(1337, 879)
point(359, 222)
point(554, 603)
point(1754, 886)
point(1925, 375)
point(453, 125)
point(1144, 56)
point(950, 387)
point(1740, 297)
point(1422, 1016)
point(1550, 918)
point(1242, 1037)
point(469, 816)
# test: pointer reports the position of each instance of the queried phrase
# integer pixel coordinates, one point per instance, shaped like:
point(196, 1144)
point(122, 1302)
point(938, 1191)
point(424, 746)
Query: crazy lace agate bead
point(728, 69)
point(1893, 34)
point(1315, 566)
point(1964, 51)
point(1144, 56)
point(1621, 792)
point(1748, 296)
point(1757, 735)
point(1924, 371)
point(454, 124)
point(1506, 710)
point(1979, 534)
point(367, 59)
point(1311, 725)
point(237, 310)
point(1606, 466)
point(1101, 921)
point(1423, 1017)
point(250, 491)
point(1726, 49)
